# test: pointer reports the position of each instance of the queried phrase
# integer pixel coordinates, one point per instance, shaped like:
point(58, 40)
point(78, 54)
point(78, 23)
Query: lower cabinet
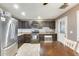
point(41, 37)
point(26, 38)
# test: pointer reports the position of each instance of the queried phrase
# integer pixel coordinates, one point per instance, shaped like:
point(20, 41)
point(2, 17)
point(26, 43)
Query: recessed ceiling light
point(16, 6)
point(23, 13)
point(39, 17)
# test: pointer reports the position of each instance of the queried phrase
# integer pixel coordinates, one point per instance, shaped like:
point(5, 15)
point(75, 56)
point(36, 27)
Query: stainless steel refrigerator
point(8, 36)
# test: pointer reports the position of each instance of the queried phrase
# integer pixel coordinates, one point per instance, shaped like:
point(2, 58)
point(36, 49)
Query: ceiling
point(35, 10)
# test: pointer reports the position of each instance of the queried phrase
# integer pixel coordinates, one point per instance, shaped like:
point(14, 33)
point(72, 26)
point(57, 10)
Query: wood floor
point(56, 49)
point(49, 49)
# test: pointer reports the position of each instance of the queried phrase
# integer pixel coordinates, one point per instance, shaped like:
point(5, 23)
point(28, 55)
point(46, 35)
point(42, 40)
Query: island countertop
point(47, 33)
point(21, 33)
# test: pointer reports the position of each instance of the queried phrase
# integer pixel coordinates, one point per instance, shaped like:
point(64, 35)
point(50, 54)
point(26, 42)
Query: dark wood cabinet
point(50, 24)
point(36, 24)
point(20, 40)
point(41, 37)
point(54, 37)
point(24, 24)
point(25, 38)
point(21, 24)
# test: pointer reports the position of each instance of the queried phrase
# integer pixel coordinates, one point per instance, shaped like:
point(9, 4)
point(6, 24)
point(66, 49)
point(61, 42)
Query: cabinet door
point(41, 37)
point(27, 38)
point(20, 40)
point(54, 37)
point(27, 25)
point(21, 24)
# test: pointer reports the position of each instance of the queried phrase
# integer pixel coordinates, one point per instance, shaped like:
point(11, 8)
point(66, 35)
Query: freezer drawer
point(10, 51)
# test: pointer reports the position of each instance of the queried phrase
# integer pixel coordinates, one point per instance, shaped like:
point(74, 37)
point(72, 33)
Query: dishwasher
point(48, 38)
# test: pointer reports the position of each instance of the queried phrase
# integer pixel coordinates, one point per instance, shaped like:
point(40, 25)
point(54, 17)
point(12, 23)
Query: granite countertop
point(41, 31)
point(21, 33)
point(47, 33)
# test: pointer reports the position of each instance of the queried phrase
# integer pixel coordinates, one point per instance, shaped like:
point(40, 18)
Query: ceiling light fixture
point(38, 17)
point(16, 6)
point(23, 13)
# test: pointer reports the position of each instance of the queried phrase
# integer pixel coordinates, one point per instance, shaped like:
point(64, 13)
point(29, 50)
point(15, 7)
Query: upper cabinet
point(50, 24)
point(36, 24)
point(24, 24)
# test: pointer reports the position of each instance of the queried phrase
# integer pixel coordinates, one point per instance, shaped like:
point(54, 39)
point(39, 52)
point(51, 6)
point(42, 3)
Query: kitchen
point(19, 32)
point(38, 31)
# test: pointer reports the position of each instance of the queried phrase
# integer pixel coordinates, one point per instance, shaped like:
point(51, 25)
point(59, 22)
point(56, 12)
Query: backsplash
point(40, 30)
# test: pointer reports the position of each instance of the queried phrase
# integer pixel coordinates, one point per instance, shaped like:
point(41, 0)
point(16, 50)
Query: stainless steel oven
point(35, 36)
